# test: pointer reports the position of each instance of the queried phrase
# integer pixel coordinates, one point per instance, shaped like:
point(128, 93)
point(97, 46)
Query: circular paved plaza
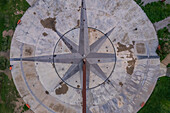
point(71, 52)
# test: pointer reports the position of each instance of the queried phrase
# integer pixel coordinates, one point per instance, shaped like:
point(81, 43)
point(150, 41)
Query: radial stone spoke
point(70, 72)
point(72, 58)
point(96, 45)
point(97, 70)
point(84, 48)
point(147, 57)
point(48, 58)
point(71, 45)
point(94, 58)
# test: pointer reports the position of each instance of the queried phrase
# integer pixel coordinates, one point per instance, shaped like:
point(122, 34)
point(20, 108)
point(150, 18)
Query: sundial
point(89, 56)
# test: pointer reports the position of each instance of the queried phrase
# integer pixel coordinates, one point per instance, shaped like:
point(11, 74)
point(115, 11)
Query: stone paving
point(145, 2)
point(148, 1)
point(166, 61)
point(31, 2)
point(161, 24)
point(37, 51)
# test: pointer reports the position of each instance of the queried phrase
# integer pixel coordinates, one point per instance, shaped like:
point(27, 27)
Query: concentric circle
point(94, 35)
point(133, 60)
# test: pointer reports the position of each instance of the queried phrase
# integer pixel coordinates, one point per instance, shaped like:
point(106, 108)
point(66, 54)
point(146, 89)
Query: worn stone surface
point(166, 61)
point(161, 24)
point(36, 42)
point(31, 2)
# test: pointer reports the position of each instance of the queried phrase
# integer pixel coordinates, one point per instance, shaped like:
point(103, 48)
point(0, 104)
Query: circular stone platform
point(117, 41)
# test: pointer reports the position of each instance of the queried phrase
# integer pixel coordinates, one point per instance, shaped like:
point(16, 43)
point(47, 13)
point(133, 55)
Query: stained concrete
point(131, 78)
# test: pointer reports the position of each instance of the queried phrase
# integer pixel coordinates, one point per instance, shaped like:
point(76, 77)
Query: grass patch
point(8, 94)
point(4, 63)
point(164, 42)
point(8, 19)
point(156, 11)
point(159, 101)
point(139, 2)
point(25, 108)
point(168, 65)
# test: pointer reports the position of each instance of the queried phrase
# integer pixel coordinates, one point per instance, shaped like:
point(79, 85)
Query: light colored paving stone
point(145, 2)
point(161, 24)
point(166, 61)
point(148, 1)
point(163, 69)
point(167, 2)
point(31, 2)
point(38, 79)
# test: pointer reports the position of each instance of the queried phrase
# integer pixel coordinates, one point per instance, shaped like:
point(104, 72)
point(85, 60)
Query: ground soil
point(8, 33)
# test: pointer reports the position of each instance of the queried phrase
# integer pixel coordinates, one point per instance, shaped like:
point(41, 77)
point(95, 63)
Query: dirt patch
point(140, 47)
point(19, 12)
point(131, 66)
point(94, 35)
point(62, 90)
point(121, 84)
point(28, 51)
point(8, 33)
point(78, 86)
point(131, 63)
point(49, 23)
point(58, 108)
point(122, 47)
point(19, 105)
point(45, 34)
point(78, 23)
point(133, 42)
point(61, 108)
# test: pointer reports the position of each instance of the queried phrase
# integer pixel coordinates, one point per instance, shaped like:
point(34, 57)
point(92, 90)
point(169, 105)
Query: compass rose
point(84, 57)
point(83, 52)
point(67, 57)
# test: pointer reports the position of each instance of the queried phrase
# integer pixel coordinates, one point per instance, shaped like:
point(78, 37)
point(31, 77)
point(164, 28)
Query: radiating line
point(70, 58)
point(70, 72)
point(97, 45)
point(97, 71)
point(70, 44)
point(94, 58)
point(147, 57)
point(84, 48)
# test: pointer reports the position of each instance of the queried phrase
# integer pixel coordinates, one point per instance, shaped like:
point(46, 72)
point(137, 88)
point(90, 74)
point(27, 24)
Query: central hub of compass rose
point(87, 45)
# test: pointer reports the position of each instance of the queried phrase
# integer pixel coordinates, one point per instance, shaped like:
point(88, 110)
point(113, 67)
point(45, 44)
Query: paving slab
point(31, 2)
point(161, 24)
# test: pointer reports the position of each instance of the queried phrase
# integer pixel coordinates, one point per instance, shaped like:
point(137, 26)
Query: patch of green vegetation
point(164, 42)
point(9, 20)
point(168, 65)
point(4, 63)
point(25, 108)
point(156, 11)
point(139, 2)
point(5, 109)
point(8, 94)
point(159, 101)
